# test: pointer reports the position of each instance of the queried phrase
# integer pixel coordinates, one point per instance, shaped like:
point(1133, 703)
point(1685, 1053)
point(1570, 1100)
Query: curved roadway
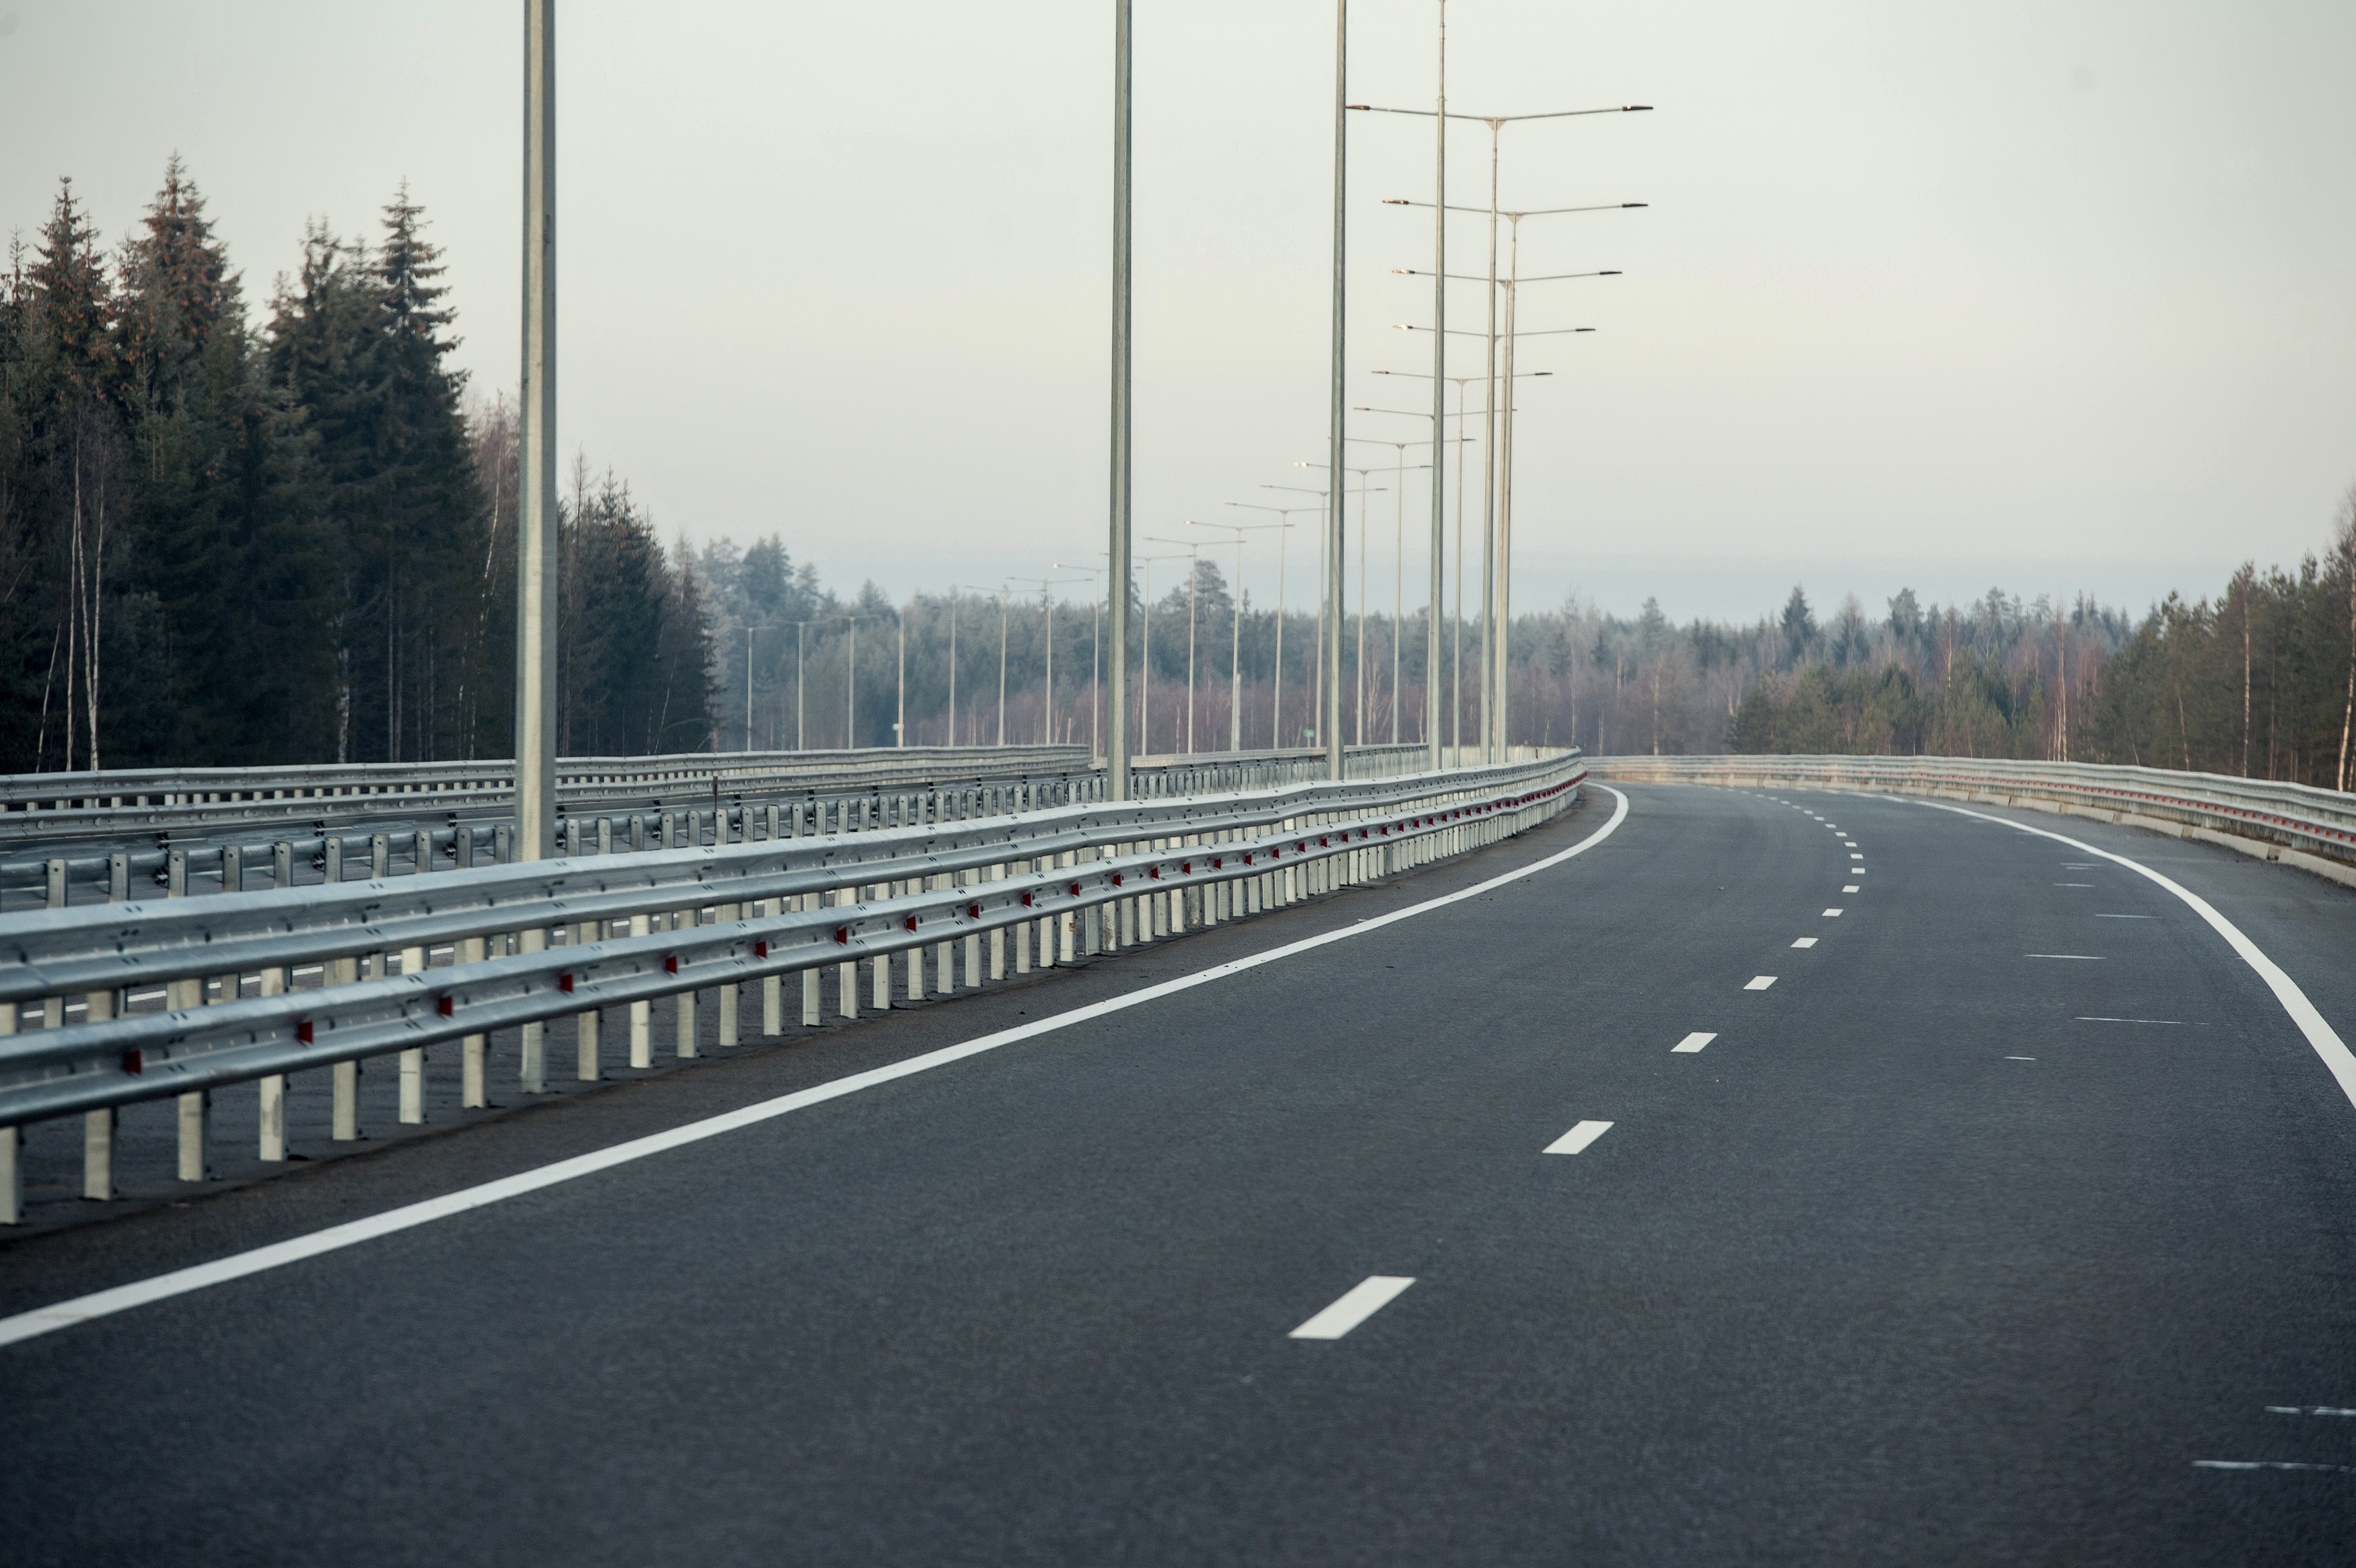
point(2013, 1221)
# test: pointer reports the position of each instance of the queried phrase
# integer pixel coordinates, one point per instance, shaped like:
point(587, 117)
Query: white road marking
point(1834, 913)
point(1693, 1042)
point(2271, 1465)
point(2127, 917)
point(2077, 957)
point(2020, 1059)
point(1759, 981)
point(1804, 942)
point(2085, 1018)
point(1851, 843)
point(2074, 885)
point(1579, 1137)
point(1357, 1304)
point(2321, 1036)
point(1852, 888)
point(335, 1237)
point(2307, 1410)
point(1856, 857)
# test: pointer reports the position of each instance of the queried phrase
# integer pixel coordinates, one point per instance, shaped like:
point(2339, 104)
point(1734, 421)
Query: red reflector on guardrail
point(564, 984)
point(909, 920)
point(843, 936)
point(973, 912)
point(445, 1004)
point(302, 1031)
point(1116, 880)
point(760, 949)
point(1026, 901)
point(134, 1062)
point(1076, 890)
point(670, 963)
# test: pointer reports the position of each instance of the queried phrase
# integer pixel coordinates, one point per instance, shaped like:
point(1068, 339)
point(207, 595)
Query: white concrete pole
point(1117, 567)
point(536, 542)
point(1330, 718)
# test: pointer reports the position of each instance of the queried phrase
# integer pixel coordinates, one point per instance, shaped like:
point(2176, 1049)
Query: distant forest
point(226, 544)
point(229, 543)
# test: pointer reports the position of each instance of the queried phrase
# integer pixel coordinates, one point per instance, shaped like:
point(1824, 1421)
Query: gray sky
point(2049, 295)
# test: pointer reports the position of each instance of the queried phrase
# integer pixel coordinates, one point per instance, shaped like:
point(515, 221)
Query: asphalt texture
point(1926, 1257)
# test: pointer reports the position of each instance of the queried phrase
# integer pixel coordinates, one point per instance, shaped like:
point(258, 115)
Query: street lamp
point(1145, 671)
point(1047, 718)
point(1283, 539)
point(1096, 660)
point(1492, 581)
point(1399, 557)
point(1001, 591)
point(1236, 622)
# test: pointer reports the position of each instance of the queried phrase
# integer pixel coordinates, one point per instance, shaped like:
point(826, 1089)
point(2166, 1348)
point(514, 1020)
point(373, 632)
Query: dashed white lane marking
point(2074, 885)
point(1759, 981)
point(1694, 1042)
point(1856, 857)
point(1357, 1304)
point(2083, 1018)
point(1850, 843)
point(2127, 917)
point(2321, 1036)
point(1852, 889)
point(1834, 913)
point(1804, 942)
point(352, 1232)
point(1579, 1137)
point(2307, 1410)
point(2074, 958)
point(2020, 1059)
point(2272, 1465)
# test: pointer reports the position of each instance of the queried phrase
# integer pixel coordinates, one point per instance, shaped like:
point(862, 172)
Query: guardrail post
point(813, 1005)
point(586, 1067)
point(730, 992)
point(532, 1070)
point(846, 979)
point(413, 1061)
point(12, 1174)
point(642, 1012)
point(474, 1089)
point(98, 1155)
point(997, 938)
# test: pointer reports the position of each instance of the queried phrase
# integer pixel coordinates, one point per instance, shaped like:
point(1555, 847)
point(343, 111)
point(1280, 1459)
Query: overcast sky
point(2055, 296)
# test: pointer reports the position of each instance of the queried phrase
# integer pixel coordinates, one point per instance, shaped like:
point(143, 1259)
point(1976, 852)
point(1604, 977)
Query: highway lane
point(1921, 1257)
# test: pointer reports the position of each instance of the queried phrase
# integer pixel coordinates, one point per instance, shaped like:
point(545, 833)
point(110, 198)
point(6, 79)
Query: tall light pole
point(1236, 620)
point(1145, 665)
point(1496, 577)
point(1095, 662)
point(1284, 530)
point(1490, 595)
point(536, 542)
point(1118, 565)
point(1193, 594)
point(1330, 720)
point(1329, 607)
point(1047, 717)
point(1438, 403)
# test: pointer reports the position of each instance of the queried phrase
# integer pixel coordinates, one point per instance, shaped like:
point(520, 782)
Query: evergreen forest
point(232, 537)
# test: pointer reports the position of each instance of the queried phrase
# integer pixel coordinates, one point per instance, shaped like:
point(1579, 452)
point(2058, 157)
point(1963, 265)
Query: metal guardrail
point(222, 827)
point(2295, 822)
point(537, 942)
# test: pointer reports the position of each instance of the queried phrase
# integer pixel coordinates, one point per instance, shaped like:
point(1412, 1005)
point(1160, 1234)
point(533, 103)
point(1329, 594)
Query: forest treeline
point(228, 541)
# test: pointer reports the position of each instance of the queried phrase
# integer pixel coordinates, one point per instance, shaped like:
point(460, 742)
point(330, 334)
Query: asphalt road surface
point(1965, 1197)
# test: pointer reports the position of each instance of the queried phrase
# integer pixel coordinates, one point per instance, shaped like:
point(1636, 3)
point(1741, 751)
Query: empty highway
point(1781, 1177)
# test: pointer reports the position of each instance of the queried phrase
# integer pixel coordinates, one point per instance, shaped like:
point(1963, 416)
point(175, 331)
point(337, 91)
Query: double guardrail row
point(913, 893)
point(2296, 824)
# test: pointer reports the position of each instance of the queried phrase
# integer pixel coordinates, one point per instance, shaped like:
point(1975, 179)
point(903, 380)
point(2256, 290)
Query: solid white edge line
point(2321, 1035)
point(42, 1321)
point(1579, 1137)
point(1357, 1304)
